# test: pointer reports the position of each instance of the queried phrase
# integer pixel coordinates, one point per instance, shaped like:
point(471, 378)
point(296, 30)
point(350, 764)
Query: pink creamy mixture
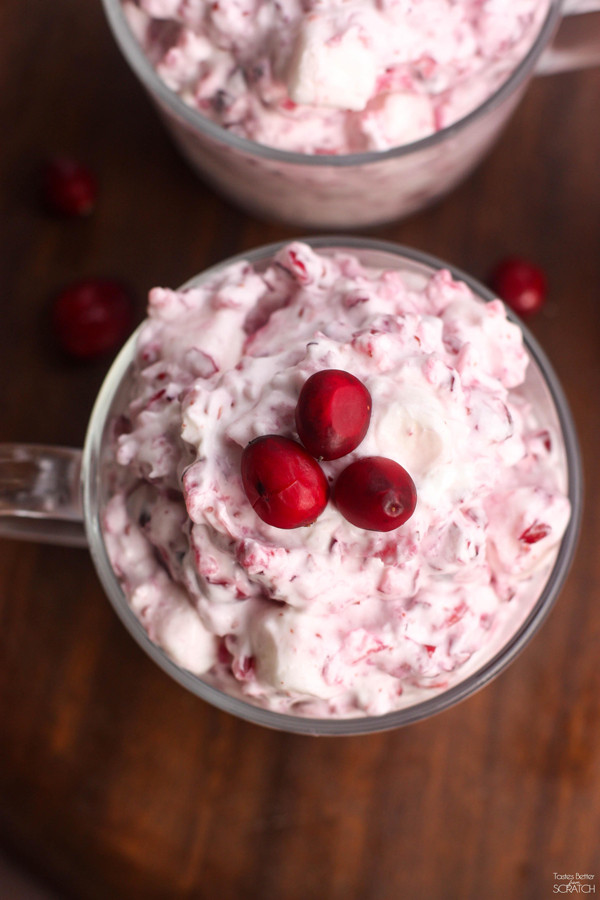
point(324, 76)
point(330, 620)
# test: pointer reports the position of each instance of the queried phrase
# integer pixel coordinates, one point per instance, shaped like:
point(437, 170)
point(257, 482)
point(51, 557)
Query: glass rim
point(353, 725)
point(145, 71)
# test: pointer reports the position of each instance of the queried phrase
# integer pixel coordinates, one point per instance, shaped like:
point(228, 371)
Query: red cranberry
point(285, 485)
point(68, 187)
point(520, 284)
point(333, 413)
point(375, 493)
point(92, 317)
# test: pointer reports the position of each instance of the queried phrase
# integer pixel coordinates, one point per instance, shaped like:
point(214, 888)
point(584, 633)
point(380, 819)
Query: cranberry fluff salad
point(335, 76)
point(331, 619)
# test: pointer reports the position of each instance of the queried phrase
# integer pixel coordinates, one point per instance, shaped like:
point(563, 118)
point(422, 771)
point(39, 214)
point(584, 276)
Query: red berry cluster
point(285, 483)
point(92, 316)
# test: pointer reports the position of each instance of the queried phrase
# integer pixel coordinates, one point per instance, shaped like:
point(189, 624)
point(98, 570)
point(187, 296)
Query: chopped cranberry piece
point(223, 654)
point(536, 532)
point(298, 263)
point(375, 493)
point(456, 614)
point(520, 284)
point(546, 439)
point(333, 413)
point(157, 396)
point(68, 187)
point(92, 317)
point(285, 484)
point(243, 667)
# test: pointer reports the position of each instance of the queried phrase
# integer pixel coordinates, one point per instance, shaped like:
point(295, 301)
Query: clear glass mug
point(58, 495)
point(356, 190)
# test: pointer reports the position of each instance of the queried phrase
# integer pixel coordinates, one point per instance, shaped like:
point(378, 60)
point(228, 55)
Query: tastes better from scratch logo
point(574, 884)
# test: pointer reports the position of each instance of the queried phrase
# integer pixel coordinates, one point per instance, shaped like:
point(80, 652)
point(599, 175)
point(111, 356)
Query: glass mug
point(359, 189)
point(58, 495)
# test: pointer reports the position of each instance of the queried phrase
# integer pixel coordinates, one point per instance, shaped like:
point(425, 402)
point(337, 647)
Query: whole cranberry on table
point(521, 284)
point(68, 187)
point(333, 413)
point(285, 485)
point(92, 317)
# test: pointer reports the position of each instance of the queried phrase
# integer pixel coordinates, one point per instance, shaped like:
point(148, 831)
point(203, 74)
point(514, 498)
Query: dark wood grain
point(116, 784)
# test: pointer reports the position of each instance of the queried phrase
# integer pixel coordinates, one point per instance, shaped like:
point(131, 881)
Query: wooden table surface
point(117, 784)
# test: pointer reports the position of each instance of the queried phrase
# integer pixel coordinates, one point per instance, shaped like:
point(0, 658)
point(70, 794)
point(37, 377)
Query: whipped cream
point(330, 77)
point(332, 620)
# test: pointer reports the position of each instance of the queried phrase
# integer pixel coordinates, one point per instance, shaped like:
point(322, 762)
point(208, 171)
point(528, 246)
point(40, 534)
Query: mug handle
point(576, 44)
point(40, 494)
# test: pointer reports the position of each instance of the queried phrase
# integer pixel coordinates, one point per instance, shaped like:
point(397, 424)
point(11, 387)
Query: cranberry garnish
point(375, 493)
point(92, 317)
point(68, 187)
point(285, 485)
point(333, 413)
point(520, 284)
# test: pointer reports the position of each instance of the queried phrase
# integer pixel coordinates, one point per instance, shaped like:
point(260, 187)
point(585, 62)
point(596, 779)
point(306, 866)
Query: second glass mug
point(359, 189)
point(49, 494)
